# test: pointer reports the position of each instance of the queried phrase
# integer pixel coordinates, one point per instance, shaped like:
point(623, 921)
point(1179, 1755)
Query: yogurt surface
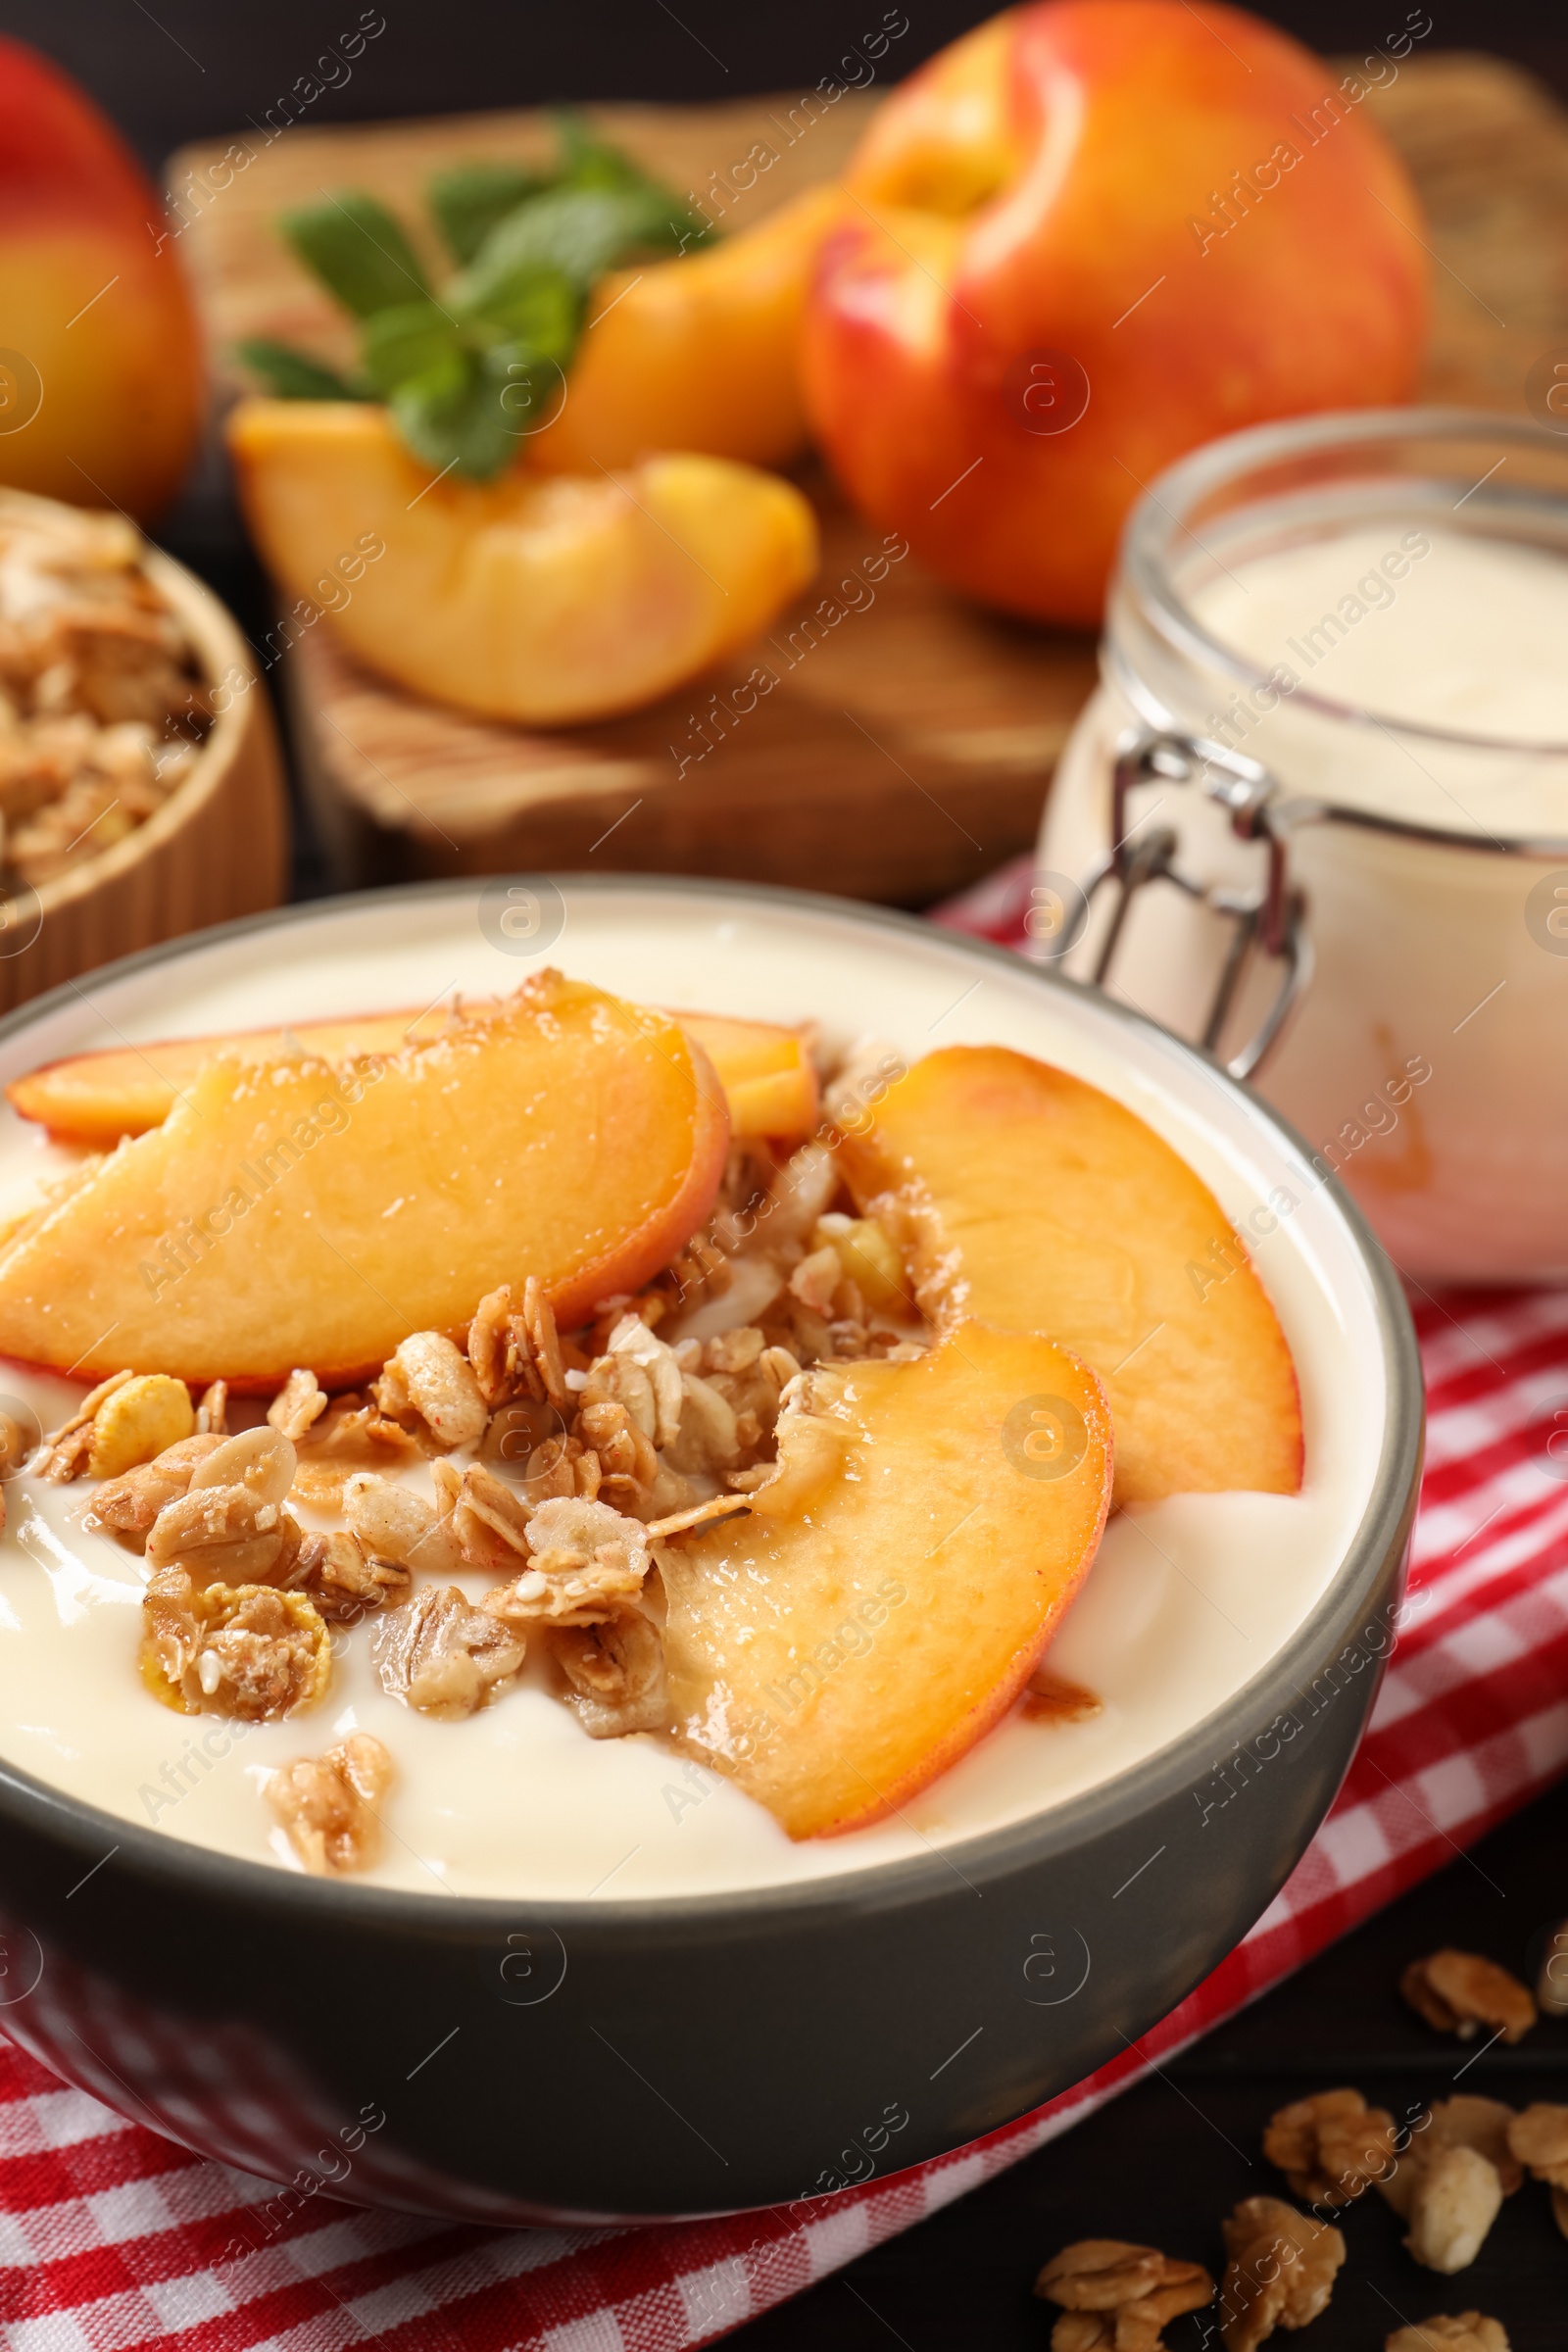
point(1453, 633)
point(1187, 1600)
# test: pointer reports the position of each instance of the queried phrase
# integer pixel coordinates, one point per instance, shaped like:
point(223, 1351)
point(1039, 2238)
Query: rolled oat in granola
point(615, 1675)
point(514, 1350)
point(333, 1570)
point(224, 1535)
point(132, 1502)
point(299, 1402)
point(588, 1563)
point(327, 1805)
point(394, 1523)
point(445, 1657)
point(432, 1381)
point(62, 1456)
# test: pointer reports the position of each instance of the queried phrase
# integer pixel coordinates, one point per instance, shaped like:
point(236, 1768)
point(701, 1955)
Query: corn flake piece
point(138, 1422)
point(298, 1403)
point(244, 1650)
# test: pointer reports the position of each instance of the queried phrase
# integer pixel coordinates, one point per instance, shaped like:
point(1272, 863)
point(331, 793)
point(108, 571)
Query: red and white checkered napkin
point(109, 2236)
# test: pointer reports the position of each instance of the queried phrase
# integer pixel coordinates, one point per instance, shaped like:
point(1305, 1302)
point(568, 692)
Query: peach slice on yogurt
point(1033, 1200)
point(896, 1579)
point(316, 1212)
point(765, 1067)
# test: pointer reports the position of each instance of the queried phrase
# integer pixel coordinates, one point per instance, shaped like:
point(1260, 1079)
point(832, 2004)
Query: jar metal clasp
point(1269, 921)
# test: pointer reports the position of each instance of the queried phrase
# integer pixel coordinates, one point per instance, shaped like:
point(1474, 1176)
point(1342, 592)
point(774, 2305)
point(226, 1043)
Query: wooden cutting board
point(907, 746)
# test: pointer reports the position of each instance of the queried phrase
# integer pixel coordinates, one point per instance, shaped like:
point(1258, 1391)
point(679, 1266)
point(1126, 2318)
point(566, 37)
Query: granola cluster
point(1451, 2182)
point(1116, 2297)
point(1444, 2173)
point(102, 708)
point(1460, 1993)
point(1279, 2272)
point(496, 1499)
point(1331, 2147)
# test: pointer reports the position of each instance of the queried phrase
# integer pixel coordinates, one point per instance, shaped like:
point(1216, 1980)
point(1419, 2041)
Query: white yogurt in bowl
point(1187, 1602)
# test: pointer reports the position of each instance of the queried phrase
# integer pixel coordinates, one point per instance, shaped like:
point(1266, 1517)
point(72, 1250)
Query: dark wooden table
point(1164, 2163)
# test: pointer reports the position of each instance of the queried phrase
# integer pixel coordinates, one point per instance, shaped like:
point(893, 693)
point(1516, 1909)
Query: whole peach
point(100, 368)
point(1091, 235)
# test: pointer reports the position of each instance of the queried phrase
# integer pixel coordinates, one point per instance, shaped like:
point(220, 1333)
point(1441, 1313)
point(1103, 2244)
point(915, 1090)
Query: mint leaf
point(578, 232)
point(358, 250)
point(291, 374)
point(589, 162)
point(467, 375)
point(455, 418)
point(537, 307)
point(468, 200)
point(411, 339)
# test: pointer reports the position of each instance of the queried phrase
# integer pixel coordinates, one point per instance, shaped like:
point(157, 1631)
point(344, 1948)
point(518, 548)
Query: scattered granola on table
point(1539, 2139)
point(1459, 1992)
point(1279, 2272)
point(1331, 2147)
point(103, 711)
point(1451, 2182)
point(1117, 2297)
point(1551, 1980)
point(1467, 2333)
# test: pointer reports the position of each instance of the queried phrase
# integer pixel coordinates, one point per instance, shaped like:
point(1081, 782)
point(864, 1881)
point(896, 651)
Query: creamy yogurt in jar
point(1370, 612)
point(1187, 1600)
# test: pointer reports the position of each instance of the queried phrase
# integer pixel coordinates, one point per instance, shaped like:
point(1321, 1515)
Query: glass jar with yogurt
point(1317, 812)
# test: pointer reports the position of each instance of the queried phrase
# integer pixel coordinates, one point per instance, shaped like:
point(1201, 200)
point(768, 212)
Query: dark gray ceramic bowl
point(522, 2061)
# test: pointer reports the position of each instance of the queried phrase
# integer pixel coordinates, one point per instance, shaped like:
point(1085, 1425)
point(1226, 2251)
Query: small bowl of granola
point(755, 1549)
point(140, 788)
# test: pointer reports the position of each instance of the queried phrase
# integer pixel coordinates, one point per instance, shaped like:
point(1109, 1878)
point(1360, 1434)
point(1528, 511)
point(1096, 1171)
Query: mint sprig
point(469, 368)
point(358, 250)
point(468, 200)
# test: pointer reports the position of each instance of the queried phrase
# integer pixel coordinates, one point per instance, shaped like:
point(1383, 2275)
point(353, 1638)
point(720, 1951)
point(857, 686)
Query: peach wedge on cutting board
point(766, 1070)
point(543, 599)
point(896, 1582)
point(312, 1213)
point(1035, 1202)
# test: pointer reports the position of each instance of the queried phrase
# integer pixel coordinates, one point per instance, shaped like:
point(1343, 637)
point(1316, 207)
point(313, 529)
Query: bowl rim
point(1188, 1758)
